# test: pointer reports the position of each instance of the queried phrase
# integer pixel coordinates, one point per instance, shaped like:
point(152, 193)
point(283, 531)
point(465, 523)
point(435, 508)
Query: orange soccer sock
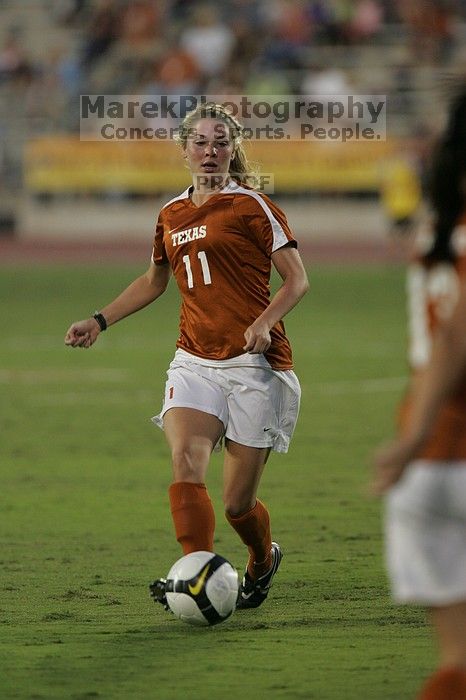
point(254, 529)
point(193, 516)
point(445, 684)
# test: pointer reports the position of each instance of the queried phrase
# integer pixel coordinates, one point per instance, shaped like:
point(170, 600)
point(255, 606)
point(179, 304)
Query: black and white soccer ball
point(202, 588)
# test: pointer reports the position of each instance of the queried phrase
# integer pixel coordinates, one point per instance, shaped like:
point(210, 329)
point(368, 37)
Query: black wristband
point(100, 320)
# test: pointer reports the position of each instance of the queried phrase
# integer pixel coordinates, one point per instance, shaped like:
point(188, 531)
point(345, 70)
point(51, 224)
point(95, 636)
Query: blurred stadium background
point(56, 190)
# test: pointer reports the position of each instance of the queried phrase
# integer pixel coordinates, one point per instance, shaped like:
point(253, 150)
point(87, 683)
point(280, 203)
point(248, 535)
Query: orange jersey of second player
point(220, 254)
point(432, 295)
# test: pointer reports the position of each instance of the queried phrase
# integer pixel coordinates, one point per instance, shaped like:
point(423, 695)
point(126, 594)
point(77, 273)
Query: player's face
point(209, 148)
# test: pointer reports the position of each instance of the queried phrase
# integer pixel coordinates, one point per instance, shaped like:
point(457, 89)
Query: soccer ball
point(202, 588)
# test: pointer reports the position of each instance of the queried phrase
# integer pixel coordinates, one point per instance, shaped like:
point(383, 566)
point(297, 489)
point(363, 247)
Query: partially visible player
point(232, 374)
point(424, 471)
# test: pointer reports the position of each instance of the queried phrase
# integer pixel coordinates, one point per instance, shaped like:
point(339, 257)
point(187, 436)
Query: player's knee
point(238, 504)
point(185, 465)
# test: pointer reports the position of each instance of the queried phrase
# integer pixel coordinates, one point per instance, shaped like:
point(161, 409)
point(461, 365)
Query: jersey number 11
point(205, 269)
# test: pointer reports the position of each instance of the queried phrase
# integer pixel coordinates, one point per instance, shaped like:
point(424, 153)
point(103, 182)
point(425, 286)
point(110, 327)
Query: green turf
point(85, 521)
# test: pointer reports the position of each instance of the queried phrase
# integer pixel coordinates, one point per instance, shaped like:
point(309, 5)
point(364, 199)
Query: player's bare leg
point(243, 469)
point(450, 625)
point(191, 435)
point(449, 681)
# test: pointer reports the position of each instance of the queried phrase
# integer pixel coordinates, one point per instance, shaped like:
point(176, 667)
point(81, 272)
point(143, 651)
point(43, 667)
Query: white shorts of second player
point(426, 534)
point(257, 405)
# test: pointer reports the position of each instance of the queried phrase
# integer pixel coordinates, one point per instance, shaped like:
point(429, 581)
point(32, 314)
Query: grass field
point(85, 520)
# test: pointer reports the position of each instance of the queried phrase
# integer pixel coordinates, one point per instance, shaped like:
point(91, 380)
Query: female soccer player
point(231, 376)
point(424, 471)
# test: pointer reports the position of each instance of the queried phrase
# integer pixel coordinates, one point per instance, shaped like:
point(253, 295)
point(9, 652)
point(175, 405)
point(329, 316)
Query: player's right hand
point(390, 462)
point(257, 338)
point(82, 334)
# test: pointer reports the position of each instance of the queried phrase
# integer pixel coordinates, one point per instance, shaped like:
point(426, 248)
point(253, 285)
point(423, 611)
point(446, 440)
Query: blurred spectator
point(430, 28)
point(208, 40)
point(101, 32)
point(63, 71)
point(279, 53)
point(246, 45)
point(292, 22)
point(246, 11)
point(13, 61)
point(267, 83)
point(247, 27)
point(67, 12)
point(321, 15)
point(287, 28)
point(404, 82)
point(140, 22)
point(179, 10)
point(177, 73)
point(366, 21)
point(326, 81)
point(334, 18)
point(134, 48)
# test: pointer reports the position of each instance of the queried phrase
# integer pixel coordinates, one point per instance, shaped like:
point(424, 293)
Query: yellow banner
point(63, 164)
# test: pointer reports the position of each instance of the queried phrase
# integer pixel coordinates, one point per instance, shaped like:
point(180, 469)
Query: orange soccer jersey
point(220, 255)
point(432, 295)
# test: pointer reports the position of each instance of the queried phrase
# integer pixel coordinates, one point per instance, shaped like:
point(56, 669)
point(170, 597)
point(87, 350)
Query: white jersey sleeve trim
point(279, 236)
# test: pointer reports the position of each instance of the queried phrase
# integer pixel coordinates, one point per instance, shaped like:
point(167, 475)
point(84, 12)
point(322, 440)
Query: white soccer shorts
point(257, 405)
point(426, 534)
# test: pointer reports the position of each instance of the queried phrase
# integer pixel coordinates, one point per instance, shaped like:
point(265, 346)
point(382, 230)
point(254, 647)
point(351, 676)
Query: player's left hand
point(257, 338)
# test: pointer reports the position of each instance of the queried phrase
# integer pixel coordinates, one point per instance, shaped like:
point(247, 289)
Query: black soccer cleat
point(158, 593)
point(253, 593)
